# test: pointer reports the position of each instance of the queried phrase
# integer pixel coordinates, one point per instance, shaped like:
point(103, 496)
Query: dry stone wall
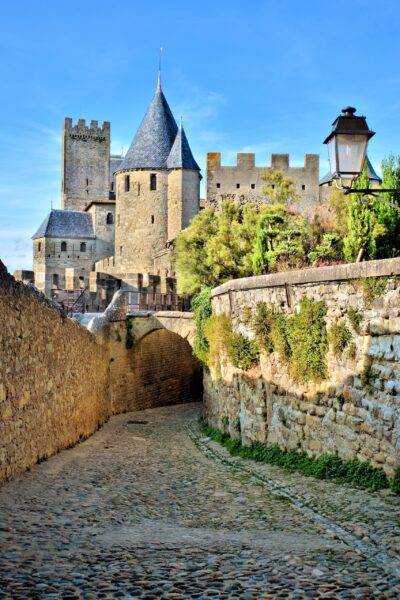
point(53, 379)
point(355, 412)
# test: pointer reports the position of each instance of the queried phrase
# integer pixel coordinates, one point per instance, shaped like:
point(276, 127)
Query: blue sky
point(260, 76)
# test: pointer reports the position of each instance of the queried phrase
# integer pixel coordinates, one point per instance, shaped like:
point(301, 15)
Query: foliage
point(223, 342)
point(395, 482)
point(300, 339)
point(308, 342)
point(328, 466)
point(388, 242)
point(352, 351)
point(363, 225)
point(355, 319)
point(368, 374)
point(217, 246)
point(217, 331)
point(280, 239)
point(129, 335)
point(338, 204)
point(201, 307)
point(339, 337)
point(278, 187)
point(329, 248)
point(372, 288)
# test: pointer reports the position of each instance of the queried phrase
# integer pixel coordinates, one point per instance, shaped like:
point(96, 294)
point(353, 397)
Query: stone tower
point(157, 189)
point(85, 163)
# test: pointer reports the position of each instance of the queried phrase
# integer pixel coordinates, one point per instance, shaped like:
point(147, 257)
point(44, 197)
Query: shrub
point(339, 337)
point(129, 335)
point(308, 341)
point(201, 306)
point(372, 288)
point(355, 319)
point(368, 374)
point(352, 351)
point(328, 466)
point(223, 342)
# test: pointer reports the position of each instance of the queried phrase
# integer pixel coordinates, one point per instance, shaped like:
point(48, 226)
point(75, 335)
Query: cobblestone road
point(145, 510)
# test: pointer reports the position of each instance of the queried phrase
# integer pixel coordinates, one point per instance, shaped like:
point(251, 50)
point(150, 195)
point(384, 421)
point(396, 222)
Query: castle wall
point(222, 182)
point(355, 412)
point(53, 379)
point(141, 220)
point(85, 163)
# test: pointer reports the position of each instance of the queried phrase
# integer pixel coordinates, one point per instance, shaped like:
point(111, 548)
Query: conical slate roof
point(181, 156)
point(154, 138)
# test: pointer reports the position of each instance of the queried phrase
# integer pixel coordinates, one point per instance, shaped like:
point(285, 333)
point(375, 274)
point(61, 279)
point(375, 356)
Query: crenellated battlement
point(85, 132)
point(247, 160)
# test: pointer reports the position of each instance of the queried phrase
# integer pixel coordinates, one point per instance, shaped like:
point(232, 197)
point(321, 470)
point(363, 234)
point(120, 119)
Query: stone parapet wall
point(53, 379)
point(345, 414)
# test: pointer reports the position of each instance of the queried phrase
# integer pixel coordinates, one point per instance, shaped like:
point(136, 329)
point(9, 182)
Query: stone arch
point(163, 371)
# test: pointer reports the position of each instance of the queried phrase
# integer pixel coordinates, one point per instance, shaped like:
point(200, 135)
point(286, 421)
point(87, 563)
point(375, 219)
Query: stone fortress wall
point(59, 382)
point(85, 163)
point(53, 379)
point(344, 414)
point(243, 182)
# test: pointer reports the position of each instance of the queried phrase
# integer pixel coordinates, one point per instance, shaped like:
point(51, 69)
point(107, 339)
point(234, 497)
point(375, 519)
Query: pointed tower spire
point(181, 156)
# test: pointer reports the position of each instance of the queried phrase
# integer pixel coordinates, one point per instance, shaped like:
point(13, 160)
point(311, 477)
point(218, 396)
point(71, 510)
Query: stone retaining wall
point(53, 379)
point(341, 415)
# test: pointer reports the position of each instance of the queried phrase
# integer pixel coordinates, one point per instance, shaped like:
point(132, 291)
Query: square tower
point(85, 163)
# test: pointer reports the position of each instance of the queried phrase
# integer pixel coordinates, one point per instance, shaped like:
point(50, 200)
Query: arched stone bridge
point(151, 359)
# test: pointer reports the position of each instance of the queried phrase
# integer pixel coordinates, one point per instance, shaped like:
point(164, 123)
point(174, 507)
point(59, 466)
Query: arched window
point(109, 219)
point(83, 246)
point(63, 246)
point(153, 182)
point(127, 183)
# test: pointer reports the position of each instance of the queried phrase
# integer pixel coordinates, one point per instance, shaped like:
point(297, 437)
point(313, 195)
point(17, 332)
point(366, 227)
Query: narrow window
point(152, 219)
point(253, 185)
point(127, 183)
point(303, 187)
point(112, 186)
point(55, 280)
point(153, 182)
point(120, 250)
point(63, 246)
point(39, 246)
point(138, 189)
point(237, 185)
point(83, 247)
point(87, 182)
point(218, 185)
point(109, 219)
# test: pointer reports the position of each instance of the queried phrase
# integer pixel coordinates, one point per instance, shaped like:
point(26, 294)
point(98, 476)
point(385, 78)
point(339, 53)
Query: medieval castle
point(120, 214)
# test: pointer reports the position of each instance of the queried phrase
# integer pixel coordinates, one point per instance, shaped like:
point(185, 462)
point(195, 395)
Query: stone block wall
point(243, 182)
point(53, 379)
point(344, 414)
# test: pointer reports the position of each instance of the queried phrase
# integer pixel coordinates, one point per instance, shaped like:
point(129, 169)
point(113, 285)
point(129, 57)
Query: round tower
point(142, 182)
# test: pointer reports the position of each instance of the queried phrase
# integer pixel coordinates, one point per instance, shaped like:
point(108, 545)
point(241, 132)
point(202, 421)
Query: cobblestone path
point(140, 511)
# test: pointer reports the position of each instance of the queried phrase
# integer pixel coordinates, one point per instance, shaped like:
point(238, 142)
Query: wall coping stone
point(372, 268)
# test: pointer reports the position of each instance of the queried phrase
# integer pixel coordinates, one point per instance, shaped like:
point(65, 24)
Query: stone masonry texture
point(53, 379)
point(343, 414)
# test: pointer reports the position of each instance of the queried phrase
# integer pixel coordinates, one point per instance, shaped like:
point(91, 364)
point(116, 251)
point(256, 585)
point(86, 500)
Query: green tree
point(279, 188)
point(363, 226)
point(388, 242)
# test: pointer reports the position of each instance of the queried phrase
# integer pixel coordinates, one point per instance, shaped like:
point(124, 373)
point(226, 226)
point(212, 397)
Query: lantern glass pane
point(351, 152)
point(332, 155)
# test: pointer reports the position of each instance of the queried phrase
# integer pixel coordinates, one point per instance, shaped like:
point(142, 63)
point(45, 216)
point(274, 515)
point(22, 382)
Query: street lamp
point(347, 148)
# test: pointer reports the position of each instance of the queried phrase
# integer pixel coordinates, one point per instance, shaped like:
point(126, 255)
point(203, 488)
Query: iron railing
point(155, 301)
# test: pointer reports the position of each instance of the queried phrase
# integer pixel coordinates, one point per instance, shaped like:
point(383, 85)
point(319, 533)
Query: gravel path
point(148, 509)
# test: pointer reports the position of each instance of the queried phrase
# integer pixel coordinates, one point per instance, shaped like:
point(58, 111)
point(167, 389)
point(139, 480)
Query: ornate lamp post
point(347, 148)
